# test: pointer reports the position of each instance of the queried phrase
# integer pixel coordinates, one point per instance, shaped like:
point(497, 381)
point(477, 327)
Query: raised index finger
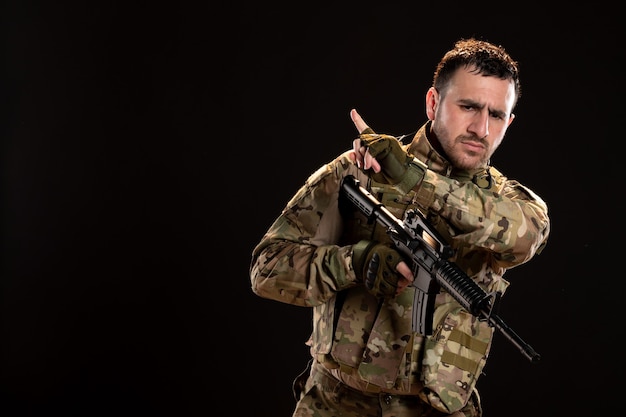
point(358, 121)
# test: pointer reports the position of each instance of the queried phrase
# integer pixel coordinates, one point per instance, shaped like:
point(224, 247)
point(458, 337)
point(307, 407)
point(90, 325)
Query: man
point(366, 360)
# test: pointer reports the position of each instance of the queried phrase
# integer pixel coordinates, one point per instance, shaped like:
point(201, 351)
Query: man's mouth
point(473, 145)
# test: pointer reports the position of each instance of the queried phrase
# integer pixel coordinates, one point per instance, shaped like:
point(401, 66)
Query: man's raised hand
point(360, 155)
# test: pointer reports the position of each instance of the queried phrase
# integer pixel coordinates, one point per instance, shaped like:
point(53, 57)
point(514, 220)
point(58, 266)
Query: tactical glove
point(398, 168)
point(375, 264)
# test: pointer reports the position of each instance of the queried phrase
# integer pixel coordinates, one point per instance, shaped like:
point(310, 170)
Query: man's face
point(471, 117)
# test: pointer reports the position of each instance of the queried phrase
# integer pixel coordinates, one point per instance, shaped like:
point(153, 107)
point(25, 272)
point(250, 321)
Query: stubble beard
point(458, 158)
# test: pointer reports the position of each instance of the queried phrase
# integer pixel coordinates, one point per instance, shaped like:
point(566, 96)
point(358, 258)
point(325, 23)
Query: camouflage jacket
point(305, 258)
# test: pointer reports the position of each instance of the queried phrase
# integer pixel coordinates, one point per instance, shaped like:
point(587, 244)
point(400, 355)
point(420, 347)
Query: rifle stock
point(428, 254)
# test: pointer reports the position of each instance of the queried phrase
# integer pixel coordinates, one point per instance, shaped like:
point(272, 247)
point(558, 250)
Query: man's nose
point(480, 124)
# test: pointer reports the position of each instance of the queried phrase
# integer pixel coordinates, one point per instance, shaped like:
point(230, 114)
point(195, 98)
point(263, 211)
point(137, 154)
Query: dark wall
point(146, 149)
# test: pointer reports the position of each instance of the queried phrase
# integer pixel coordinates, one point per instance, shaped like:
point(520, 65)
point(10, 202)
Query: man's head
point(475, 88)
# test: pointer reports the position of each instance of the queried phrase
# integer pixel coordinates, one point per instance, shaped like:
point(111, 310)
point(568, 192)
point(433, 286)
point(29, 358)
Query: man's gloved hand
point(375, 264)
point(393, 159)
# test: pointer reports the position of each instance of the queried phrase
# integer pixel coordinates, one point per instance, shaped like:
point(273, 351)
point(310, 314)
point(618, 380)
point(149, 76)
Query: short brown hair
point(487, 58)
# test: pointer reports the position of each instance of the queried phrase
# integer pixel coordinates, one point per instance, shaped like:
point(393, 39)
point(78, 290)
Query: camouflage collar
point(421, 148)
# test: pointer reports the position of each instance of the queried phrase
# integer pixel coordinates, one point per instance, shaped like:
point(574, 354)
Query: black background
point(146, 149)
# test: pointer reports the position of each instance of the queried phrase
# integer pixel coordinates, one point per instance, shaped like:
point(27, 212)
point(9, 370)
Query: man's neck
point(434, 141)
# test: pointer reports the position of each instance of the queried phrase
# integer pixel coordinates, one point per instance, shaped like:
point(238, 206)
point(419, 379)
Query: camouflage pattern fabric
point(324, 396)
point(305, 259)
point(454, 357)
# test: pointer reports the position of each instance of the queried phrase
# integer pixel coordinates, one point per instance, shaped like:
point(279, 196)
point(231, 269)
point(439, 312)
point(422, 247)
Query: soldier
point(366, 359)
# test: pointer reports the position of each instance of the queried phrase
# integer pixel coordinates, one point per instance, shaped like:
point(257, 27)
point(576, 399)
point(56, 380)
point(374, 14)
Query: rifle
point(428, 254)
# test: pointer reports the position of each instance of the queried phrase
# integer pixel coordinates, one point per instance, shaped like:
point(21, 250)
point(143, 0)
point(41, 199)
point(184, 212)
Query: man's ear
point(511, 118)
point(432, 101)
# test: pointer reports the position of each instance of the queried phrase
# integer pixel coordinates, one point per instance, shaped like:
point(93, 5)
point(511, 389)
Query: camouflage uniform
point(305, 259)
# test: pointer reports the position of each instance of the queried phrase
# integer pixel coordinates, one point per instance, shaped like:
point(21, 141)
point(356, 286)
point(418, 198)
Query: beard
point(458, 155)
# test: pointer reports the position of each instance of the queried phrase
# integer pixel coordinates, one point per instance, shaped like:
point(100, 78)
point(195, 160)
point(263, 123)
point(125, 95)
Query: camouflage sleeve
point(298, 260)
point(508, 220)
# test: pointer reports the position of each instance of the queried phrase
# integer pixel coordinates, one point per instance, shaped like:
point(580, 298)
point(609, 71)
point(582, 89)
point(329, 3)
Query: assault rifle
point(428, 256)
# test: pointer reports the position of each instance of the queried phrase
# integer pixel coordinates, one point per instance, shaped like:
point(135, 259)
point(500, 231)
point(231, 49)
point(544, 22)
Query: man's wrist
point(414, 175)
